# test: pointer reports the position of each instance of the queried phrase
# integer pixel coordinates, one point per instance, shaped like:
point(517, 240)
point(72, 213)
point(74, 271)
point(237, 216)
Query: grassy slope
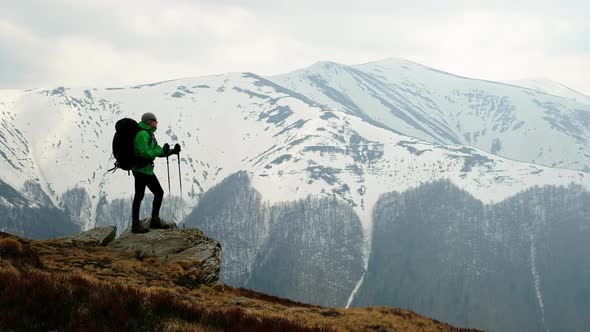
point(69, 286)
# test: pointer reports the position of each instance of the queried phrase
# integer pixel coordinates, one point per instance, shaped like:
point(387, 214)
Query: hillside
point(67, 285)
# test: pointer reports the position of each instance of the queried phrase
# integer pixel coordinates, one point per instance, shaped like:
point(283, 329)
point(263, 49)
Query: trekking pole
point(180, 179)
point(169, 203)
point(168, 168)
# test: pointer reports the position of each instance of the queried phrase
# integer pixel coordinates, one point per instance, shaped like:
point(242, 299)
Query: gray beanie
point(146, 117)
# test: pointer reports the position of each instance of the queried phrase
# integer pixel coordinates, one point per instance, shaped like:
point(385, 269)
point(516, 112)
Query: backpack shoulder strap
point(151, 137)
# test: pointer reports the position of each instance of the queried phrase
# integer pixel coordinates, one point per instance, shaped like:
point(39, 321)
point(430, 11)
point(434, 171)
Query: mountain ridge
point(414, 100)
point(549, 86)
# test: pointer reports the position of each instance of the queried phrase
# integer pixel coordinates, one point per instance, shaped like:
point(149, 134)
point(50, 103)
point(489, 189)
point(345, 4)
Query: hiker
point(146, 150)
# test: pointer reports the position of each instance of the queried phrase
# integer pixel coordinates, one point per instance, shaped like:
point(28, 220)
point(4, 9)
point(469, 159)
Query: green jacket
point(146, 148)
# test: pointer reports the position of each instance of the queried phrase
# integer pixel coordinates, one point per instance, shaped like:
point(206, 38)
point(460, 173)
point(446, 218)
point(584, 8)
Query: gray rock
point(146, 224)
point(188, 245)
point(97, 236)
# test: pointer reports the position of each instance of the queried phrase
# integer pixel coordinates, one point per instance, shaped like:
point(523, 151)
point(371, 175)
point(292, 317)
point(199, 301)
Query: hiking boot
point(137, 227)
point(156, 223)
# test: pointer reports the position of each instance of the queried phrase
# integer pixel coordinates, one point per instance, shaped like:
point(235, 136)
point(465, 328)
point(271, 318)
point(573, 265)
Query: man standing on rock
point(146, 150)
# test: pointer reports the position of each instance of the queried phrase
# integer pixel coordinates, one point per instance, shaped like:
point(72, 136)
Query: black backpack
point(124, 147)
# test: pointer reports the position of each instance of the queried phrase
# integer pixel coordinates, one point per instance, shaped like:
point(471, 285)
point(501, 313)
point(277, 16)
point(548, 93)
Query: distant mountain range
point(287, 171)
point(510, 121)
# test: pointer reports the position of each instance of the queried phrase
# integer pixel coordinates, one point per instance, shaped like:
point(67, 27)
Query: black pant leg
point(154, 186)
point(140, 184)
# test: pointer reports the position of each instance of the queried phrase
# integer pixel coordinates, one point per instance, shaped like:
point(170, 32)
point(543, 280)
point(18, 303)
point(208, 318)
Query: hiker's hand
point(166, 149)
point(176, 149)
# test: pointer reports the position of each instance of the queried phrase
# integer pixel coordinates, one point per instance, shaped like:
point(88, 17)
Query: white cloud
point(119, 43)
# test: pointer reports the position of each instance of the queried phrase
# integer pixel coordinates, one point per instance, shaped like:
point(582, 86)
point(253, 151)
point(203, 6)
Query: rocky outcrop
point(188, 246)
point(97, 236)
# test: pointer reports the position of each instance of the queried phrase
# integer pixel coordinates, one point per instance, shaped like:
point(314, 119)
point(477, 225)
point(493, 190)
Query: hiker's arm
point(159, 151)
point(142, 148)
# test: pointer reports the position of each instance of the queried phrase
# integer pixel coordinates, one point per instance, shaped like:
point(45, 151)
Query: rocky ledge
point(190, 247)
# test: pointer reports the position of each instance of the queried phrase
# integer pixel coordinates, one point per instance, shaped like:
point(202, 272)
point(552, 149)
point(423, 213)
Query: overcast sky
point(110, 43)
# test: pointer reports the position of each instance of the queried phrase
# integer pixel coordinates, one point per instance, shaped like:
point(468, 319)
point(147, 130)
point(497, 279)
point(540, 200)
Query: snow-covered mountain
point(33, 217)
point(10, 197)
point(551, 87)
point(292, 145)
point(312, 153)
point(439, 107)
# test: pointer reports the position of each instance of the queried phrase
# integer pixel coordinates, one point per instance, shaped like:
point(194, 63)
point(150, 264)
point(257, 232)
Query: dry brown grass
point(10, 246)
point(180, 326)
point(38, 300)
point(68, 286)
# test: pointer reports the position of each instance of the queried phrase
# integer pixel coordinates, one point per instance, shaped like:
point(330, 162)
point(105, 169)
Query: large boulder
point(188, 246)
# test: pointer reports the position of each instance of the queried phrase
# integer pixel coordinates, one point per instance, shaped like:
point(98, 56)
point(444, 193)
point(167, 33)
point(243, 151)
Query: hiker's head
point(150, 119)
